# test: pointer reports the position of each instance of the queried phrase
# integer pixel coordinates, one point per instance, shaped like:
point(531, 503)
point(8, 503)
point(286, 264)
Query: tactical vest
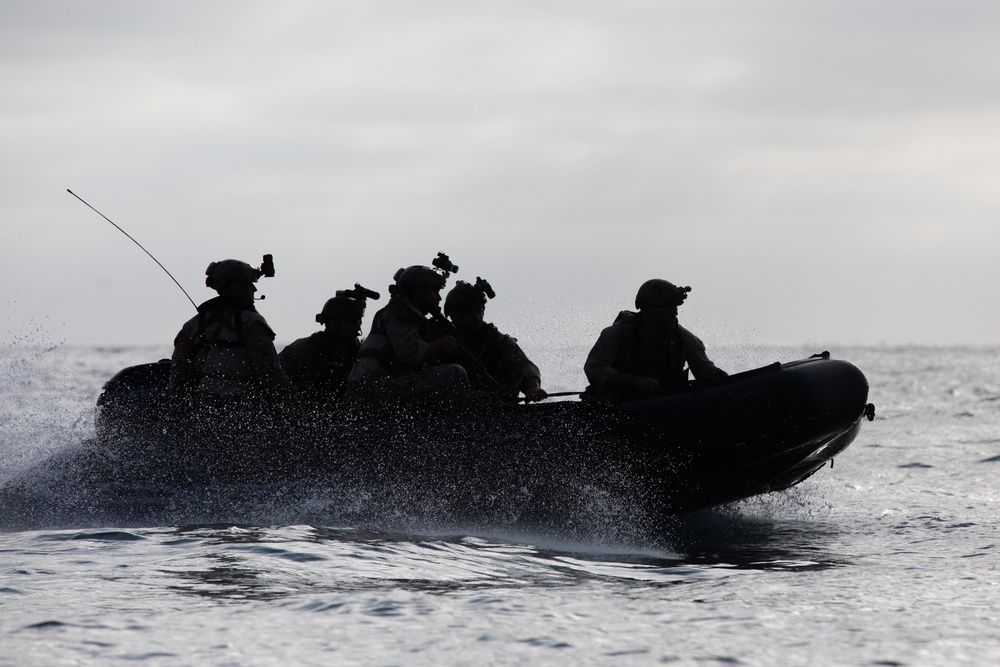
point(220, 346)
point(386, 356)
point(663, 360)
point(488, 346)
point(321, 365)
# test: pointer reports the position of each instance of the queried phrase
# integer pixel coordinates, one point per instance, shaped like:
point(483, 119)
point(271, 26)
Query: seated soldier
point(499, 354)
point(402, 361)
point(226, 351)
point(649, 349)
point(318, 364)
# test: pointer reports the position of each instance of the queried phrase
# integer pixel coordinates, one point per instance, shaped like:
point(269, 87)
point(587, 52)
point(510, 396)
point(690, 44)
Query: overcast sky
point(819, 172)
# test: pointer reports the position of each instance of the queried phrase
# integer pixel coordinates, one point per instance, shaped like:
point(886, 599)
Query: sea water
point(890, 557)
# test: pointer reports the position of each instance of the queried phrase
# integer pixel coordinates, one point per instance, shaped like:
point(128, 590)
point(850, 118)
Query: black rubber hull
point(655, 454)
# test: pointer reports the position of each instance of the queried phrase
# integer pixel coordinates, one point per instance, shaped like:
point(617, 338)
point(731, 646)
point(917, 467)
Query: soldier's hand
point(532, 390)
point(536, 395)
point(442, 347)
point(649, 384)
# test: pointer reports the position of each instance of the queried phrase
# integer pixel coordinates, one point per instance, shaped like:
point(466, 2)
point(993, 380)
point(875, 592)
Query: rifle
point(475, 367)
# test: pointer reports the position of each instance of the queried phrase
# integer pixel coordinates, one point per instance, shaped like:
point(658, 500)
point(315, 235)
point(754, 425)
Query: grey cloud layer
point(774, 153)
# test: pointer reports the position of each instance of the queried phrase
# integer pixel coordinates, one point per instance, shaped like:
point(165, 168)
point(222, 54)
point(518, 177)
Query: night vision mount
point(444, 265)
point(484, 288)
point(359, 293)
point(266, 268)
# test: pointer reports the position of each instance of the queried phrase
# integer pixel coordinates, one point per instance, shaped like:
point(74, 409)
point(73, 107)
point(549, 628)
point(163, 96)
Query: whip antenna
point(138, 244)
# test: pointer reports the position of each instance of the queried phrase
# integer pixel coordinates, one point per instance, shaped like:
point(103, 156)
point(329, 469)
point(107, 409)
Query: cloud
point(808, 168)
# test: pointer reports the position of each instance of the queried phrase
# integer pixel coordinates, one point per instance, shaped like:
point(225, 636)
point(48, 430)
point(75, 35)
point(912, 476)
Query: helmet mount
point(346, 304)
point(465, 297)
point(221, 273)
point(657, 292)
point(418, 276)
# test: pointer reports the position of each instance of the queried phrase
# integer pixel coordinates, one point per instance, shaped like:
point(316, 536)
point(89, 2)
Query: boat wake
point(65, 492)
point(86, 485)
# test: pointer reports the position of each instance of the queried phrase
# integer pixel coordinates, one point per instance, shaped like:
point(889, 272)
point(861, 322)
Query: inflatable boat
point(659, 453)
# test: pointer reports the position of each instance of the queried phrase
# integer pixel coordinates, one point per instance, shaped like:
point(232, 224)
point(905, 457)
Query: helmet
point(343, 305)
point(464, 298)
point(418, 276)
point(228, 270)
point(658, 292)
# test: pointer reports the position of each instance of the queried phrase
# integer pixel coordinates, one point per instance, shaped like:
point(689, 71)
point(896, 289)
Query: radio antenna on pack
point(138, 244)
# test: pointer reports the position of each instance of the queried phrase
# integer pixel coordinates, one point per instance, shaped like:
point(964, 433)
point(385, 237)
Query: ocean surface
point(890, 557)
